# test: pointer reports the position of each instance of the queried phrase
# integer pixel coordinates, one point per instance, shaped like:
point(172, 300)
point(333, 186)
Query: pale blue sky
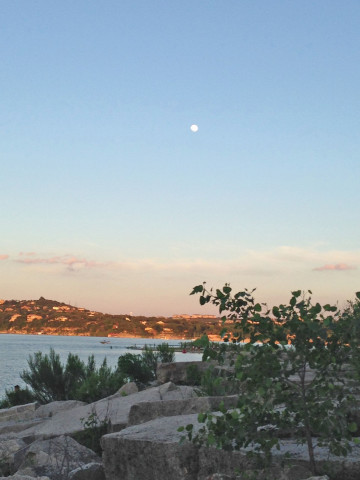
point(122, 207)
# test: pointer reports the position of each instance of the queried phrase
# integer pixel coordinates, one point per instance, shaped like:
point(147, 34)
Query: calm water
point(15, 350)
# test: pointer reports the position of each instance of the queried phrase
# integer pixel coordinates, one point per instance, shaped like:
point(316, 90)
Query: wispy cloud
point(337, 266)
point(4, 257)
point(276, 261)
point(70, 261)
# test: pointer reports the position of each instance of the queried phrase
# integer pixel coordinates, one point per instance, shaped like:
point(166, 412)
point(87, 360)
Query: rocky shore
point(141, 439)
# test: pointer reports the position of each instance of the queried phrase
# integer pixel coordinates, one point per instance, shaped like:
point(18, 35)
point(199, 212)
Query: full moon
point(194, 128)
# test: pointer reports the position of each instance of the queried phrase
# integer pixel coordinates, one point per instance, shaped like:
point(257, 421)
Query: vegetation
point(94, 429)
point(50, 380)
point(19, 396)
point(56, 318)
point(142, 368)
point(298, 373)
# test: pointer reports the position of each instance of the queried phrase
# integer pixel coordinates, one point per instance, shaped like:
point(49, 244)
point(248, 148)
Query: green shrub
point(134, 368)
point(50, 380)
point(94, 429)
point(142, 368)
point(193, 375)
point(46, 377)
point(20, 396)
point(279, 389)
point(99, 384)
point(166, 354)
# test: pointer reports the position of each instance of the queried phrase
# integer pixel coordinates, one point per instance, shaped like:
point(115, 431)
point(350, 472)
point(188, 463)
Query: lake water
point(15, 350)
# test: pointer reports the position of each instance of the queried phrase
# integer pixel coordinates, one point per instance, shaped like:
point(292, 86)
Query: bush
point(284, 343)
point(50, 380)
point(166, 354)
point(142, 368)
point(19, 396)
point(99, 384)
point(135, 368)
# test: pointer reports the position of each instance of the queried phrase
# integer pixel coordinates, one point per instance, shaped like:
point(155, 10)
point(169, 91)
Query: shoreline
point(212, 338)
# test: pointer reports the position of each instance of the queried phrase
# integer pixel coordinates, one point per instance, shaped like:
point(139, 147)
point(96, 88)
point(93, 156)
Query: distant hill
point(49, 317)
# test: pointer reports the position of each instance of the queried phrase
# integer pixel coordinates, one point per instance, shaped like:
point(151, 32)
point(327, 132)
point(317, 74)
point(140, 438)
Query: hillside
point(49, 317)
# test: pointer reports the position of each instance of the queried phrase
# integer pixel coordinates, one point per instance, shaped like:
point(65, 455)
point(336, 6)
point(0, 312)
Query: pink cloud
point(27, 254)
point(4, 257)
point(337, 266)
point(70, 261)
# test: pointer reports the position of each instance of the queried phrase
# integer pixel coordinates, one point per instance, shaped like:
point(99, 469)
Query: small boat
point(105, 341)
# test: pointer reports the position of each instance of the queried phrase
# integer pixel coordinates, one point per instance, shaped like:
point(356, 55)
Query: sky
point(108, 199)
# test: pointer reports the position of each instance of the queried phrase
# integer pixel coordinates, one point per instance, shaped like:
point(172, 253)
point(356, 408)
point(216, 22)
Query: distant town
point(49, 317)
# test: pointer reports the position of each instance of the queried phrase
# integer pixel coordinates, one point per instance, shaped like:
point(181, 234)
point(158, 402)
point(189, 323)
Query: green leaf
point(276, 312)
point(257, 307)
point(293, 301)
point(357, 295)
point(317, 308)
point(202, 417)
point(197, 289)
point(180, 429)
point(227, 289)
point(296, 294)
point(189, 427)
point(352, 427)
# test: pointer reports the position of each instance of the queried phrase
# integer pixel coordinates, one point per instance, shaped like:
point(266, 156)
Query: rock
point(146, 411)
point(170, 391)
point(177, 372)
point(52, 408)
point(156, 443)
point(127, 389)
point(150, 451)
point(220, 476)
point(323, 477)
point(91, 471)
point(56, 457)
point(10, 446)
point(113, 410)
point(17, 426)
point(18, 413)
point(23, 477)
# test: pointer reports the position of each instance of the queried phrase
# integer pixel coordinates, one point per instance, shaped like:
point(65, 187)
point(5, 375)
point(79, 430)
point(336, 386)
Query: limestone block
point(52, 408)
point(23, 477)
point(10, 446)
point(18, 413)
point(150, 451)
point(114, 409)
point(91, 471)
point(57, 456)
point(146, 411)
point(128, 389)
point(177, 372)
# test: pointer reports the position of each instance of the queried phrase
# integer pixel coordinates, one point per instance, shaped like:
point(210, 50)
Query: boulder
point(17, 425)
point(170, 391)
point(323, 477)
point(177, 372)
point(146, 411)
point(18, 413)
point(152, 450)
point(23, 477)
point(55, 458)
point(10, 446)
point(91, 471)
point(128, 389)
point(52, 408)
point(113, 410)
